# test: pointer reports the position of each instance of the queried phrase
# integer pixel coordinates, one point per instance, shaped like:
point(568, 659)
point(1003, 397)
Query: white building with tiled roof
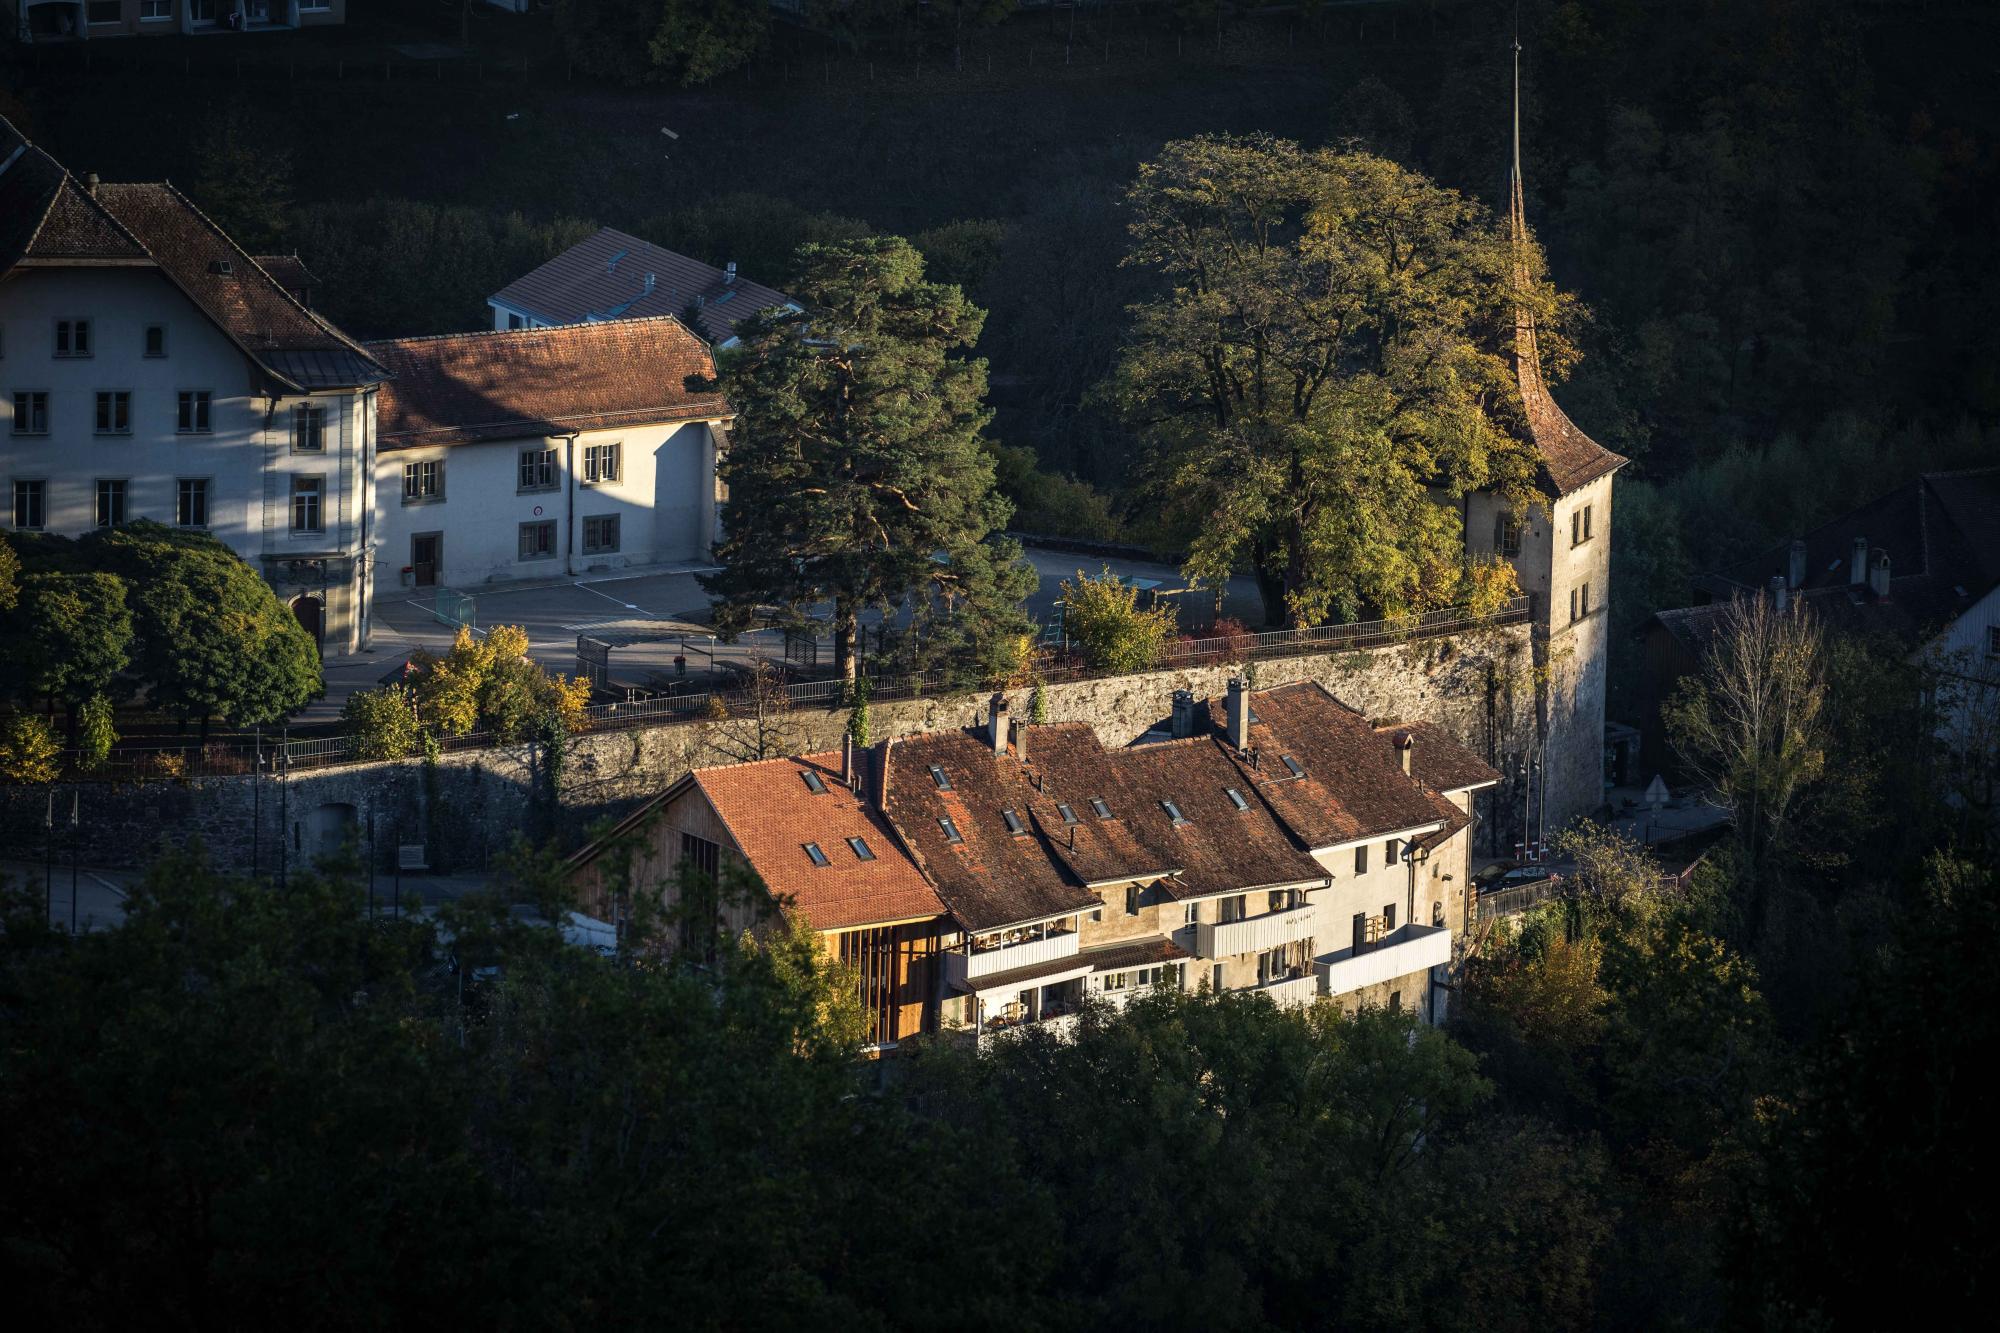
point(150, 368)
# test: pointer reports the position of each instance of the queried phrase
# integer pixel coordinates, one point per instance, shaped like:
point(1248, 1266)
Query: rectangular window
point(72, 337)
point(307, 494)
point(191, 503)
point(1292, 766)
point(600, 463)
point(114, 411)
point(1278, 900)
point(1360, 860)
point(861, 849)
point(1232, 909)
point(156, 9)
point(1392, 851)
point(1013, 821)
point(110, 502)
point(1131, 900)
point(1236, 798)
point(423, 481)
point(513, 321)
point(308, 429)
point(1173, 812)
point(1395, 1001)
point(1360, 931)
point(815, 855)
point(538, 540)
point(31, 412)
point(30, 504)
point(1507, 535)
point(1068, 815)
point(193, 416)
point(156, 340)
point(951, 833)
point(1191, 914)
point(938, 778)
point(1993, 640)
point(1579, 526)
point(538, 469)
point(600, 534)
point(1579, 602)
point(1099, 808)
point(1388, 918)
point(201, 11)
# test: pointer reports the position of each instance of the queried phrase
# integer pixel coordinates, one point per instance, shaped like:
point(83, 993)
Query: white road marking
point(629, 606)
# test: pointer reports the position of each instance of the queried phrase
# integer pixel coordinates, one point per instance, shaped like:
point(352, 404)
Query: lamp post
point(75, 809)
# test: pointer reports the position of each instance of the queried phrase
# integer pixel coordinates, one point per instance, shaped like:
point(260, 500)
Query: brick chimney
point(1779, 592)
point(1184, 714)
point(1019, 730)
point(1238, 713)
point(1406, 751)
point(1857, 565)
point(1797, 573)
point(996, 726)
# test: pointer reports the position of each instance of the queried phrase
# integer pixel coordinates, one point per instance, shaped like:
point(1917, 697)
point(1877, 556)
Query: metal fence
point(232, 758)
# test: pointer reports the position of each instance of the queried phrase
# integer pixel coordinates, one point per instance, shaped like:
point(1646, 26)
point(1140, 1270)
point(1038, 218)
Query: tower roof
point(1570, 459)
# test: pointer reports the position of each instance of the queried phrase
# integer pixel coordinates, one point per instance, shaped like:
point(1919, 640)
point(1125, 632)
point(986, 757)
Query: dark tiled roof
point(48, 218)
point(1570, 459)
point(463, 387)
point(1941, 533)
point(990, 877)
point(605, 278)
point(1353, 785)
point(1217, 849)
point(289, 272)
point(1438, 761)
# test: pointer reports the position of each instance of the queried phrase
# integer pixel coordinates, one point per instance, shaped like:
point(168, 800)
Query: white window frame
point(594, 456)
point(310, 489)
point(599, 548)
point(114, 399)
point(194, 412)
point(155, 11)
point(414, 475)
point(521, 540)
point(545, 465)
point(22, 488)
point(31, 395)
point(308, 428)
point(98, 496)
point(67, 329)
point(181, 495)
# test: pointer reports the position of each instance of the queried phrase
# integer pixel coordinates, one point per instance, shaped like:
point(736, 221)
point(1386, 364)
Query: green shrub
point(28, 750)
point(383, 722)
point(1103, 620)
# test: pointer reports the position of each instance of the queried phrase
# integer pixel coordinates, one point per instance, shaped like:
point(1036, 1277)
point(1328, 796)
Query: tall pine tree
point(857, 475)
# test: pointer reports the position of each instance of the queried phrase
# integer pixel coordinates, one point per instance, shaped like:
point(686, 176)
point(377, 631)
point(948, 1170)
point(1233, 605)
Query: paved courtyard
point(555, 611)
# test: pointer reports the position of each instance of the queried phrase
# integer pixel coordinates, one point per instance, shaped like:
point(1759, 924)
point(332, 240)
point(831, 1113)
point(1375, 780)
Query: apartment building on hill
point(991, 878)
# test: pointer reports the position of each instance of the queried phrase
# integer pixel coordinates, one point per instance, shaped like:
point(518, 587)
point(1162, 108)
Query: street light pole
point(75, 810)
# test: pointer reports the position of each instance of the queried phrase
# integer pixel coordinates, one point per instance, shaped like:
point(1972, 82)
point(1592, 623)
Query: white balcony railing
point(1411, 949)
point(960, 968)
point(1060, 1025)
point(1290, 992)
point(1254, 934)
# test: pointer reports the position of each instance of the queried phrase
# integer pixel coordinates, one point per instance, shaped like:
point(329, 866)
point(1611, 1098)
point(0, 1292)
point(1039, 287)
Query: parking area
point(555, 611)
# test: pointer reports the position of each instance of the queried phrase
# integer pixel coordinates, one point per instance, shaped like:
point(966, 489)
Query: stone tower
point(1561, 553)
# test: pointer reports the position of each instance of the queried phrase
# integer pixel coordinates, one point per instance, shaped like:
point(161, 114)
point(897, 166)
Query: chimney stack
point(729, 273)
point(1406, 750)
point(1184, 715)
point(1019, 731)
point(1238, 714)
point(847, 760)
point(1878, 576)
point(652, 280)
point(1857, 565)
point(90, 183)
point(1779, 592)
point(1798, 570)
point(996, 727)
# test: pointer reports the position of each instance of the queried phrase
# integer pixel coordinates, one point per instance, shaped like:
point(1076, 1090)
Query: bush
point(492, 685)
point(96, 733)
point(383, 722)
point(1103, 620)
point(28, 750)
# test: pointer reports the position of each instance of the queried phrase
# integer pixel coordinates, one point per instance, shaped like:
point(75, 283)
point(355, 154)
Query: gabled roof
point(1940, 532)
point(1570, 459)
point(772, 816)
point(1351, 783)
point(460, 388)
point(48, 219)
point(605, 277)
point(989, 877)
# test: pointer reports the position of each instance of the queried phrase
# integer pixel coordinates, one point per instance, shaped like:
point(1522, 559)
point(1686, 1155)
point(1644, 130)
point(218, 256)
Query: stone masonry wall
point(471, 805)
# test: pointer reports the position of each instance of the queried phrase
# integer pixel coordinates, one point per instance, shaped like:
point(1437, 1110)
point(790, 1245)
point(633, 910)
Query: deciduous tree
point(1324, 362)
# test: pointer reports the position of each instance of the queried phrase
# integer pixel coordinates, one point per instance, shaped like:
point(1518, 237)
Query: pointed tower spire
point(1570, 458)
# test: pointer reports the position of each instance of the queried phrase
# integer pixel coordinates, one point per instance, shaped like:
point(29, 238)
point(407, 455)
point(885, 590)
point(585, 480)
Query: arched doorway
point(311, 613)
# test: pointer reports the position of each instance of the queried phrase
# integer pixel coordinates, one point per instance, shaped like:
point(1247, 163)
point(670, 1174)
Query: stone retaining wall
point(470, 805)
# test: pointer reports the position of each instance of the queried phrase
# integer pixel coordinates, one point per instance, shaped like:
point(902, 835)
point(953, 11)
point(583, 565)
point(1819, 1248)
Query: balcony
point(1411, 949)
point(1291, 992)
point(1060, 1026)
point(964, 970)
point(1254, 934)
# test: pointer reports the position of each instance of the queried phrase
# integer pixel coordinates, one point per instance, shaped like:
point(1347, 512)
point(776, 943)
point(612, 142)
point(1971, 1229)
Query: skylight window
point(861, 851)
point(815, 855)
point(1293, 766)
point(1068, 815)
point(1014, 824)
point(1236, 798)
point(1173, 812)
point(1099, 808)
point(951, 833)
point(813, 783)
point(937, 776)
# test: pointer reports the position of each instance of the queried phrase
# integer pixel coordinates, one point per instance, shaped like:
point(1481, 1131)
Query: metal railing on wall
point(238, 758)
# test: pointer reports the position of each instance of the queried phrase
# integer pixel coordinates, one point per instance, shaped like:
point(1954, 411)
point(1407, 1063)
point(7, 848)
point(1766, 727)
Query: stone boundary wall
point(470, 805)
